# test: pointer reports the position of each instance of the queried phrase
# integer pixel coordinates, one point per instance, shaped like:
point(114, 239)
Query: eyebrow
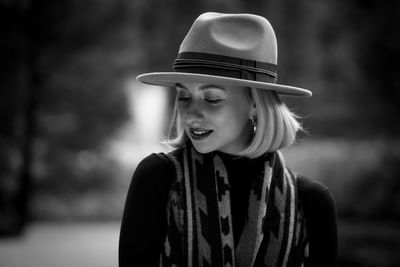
point(204, 87)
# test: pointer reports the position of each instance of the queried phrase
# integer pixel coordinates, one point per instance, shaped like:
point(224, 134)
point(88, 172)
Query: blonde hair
point(277, 126)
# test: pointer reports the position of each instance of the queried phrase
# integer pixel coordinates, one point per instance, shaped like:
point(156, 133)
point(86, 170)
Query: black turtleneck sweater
point(144, 222)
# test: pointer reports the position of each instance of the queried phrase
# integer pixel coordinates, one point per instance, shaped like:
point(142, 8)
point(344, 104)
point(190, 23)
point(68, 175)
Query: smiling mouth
point(199, 134)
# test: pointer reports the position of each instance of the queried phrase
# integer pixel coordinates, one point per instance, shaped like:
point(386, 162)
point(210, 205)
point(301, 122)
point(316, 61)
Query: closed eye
point(183, 99)
point(213, 101)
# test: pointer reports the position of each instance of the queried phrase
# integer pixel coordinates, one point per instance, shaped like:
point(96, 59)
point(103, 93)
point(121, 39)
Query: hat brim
point(172, 78)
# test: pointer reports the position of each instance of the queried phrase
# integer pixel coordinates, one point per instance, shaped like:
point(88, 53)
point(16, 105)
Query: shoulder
point(317, 200)
point(154, 169)
point(154, 162)
point(319, 210)
point(144, 219)
point(318, 204)
point(312, 190)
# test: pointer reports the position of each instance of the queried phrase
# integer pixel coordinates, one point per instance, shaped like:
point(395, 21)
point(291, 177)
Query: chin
point(203, 149)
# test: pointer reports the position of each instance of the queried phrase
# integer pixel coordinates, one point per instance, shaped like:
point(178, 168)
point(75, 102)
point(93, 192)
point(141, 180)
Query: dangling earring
point(254, 125)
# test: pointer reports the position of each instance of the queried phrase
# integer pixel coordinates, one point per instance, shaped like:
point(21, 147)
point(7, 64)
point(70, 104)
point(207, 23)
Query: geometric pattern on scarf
point(200, 231)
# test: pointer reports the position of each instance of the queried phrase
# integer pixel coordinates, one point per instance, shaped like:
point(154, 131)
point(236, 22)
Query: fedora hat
point(227, 49)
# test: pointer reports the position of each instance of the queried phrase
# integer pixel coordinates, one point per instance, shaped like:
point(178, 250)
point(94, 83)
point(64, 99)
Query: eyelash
point(213, 101)
point(183, 99)
point(210, 101)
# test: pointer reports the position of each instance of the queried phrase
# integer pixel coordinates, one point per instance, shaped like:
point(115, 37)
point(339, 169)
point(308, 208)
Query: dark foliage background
point(64, 66)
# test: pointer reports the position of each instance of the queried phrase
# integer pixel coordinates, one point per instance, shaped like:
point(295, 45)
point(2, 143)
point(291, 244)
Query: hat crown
point(245, 36)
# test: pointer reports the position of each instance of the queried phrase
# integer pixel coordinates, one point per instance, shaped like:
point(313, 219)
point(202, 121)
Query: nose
point(193, 114)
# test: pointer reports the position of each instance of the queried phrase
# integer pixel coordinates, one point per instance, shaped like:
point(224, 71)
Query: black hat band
point(232, 67)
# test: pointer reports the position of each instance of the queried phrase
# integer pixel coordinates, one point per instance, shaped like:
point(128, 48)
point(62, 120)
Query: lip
point(199, 134)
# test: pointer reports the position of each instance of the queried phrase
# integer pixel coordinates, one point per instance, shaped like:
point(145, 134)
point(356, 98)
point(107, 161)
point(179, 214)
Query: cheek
point(232, 120)
point(182, 111)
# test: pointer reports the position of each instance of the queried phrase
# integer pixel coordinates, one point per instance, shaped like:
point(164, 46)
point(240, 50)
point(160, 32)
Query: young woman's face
point(215, 117)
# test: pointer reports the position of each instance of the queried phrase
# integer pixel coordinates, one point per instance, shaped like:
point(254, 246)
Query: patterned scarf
point(200, 231)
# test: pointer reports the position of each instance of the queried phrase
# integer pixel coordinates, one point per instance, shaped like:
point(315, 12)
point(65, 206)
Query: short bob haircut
point(277, 126)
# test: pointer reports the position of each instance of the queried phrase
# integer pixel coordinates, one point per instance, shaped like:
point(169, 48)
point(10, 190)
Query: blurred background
point(75, 123)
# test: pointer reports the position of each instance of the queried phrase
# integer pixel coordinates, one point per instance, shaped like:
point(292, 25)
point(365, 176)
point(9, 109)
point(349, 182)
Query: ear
point(252, 102)
point(253, 110)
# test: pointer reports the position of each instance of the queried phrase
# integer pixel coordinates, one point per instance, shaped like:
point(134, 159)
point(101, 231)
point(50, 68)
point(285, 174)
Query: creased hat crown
point(243, 36)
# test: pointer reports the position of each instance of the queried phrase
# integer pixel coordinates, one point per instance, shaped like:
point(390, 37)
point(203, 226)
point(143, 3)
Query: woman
point(224, 197)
